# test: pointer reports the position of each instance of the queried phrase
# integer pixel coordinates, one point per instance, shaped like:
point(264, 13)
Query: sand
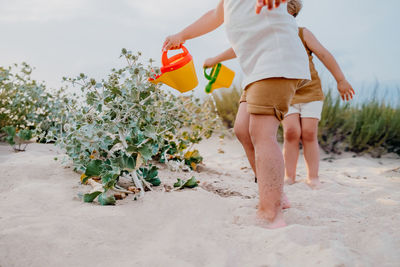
point(353, 220)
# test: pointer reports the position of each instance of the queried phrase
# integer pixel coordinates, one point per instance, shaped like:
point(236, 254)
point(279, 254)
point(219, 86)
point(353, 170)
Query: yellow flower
point(83, 176)
point(193, 165)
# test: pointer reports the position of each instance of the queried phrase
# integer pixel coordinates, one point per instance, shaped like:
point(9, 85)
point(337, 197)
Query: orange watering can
point(177, 71)
point(219, 77)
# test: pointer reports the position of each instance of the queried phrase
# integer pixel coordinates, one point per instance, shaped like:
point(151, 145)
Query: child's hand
point(345, 90)
point(270, 3)
point(210, 62)
point(173, 42)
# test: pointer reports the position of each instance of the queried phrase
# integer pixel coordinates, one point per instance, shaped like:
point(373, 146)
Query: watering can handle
point(214, 70)
point(165, 59)
point(208, 76)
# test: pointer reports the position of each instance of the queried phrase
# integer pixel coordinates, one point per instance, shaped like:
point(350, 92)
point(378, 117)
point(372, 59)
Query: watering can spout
point(177, 72)
point(163, 78)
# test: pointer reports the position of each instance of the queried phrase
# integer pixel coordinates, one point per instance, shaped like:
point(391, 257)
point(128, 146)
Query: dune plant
point(17, 139)
point(371, 127)
point(376, 129)
point(27, 108)
point(335, 124)
point(227, 104)
point(125, 122)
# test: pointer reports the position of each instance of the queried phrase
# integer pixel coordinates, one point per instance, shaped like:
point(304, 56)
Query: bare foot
point(314, 183)
point(285, 202)
point(289, 180)
point(265, 221)
point(277, 223)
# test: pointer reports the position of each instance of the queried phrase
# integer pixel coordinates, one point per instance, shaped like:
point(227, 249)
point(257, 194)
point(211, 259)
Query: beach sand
point(353, 220)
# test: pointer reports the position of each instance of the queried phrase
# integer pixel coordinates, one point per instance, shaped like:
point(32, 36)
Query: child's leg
point(309, 136)
point(268, 101)
point(269, 166)
point(241, 129)
point(242, 133)
point(292, 132)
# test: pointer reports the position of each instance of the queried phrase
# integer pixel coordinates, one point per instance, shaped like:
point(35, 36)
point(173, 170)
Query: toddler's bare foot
point(289, 180)
point(285, 202)
point(265, 221)
point(314, 183)
point(277, 223)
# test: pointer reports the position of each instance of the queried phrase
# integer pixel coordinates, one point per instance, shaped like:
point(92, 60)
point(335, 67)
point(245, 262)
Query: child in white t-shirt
point(274, 64)
point(301, 121)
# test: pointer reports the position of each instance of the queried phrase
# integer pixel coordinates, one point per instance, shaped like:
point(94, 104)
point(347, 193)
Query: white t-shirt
point(267, 45)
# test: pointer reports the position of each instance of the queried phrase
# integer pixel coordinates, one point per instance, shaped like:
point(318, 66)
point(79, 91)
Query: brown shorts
point(270, 96)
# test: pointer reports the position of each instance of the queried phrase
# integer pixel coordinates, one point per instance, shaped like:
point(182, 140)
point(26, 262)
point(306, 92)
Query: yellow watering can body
point(219, 77)
point(177, 72)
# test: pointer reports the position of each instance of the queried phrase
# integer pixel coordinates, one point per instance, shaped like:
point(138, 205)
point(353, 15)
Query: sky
point(66, 37)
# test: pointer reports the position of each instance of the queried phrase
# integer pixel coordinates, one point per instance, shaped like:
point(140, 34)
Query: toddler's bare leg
point(270, 168)
point(242, 133)
point(292, 132)
point(309, 133)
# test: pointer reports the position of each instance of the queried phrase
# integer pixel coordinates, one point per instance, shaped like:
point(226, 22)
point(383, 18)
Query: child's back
point(267, 45)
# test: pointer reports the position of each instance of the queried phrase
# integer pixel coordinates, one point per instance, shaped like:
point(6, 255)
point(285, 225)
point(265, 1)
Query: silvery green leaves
point(91, 197)
point(10, 131)
point(124, 123)
point(106, 200)
point(150, 174)
point(103, 199)
point(27, 105)
point(94, 168)
point(190, 183)
point(18, 139)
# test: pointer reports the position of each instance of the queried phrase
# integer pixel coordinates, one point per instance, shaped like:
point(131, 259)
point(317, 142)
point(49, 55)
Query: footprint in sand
point(223, 192)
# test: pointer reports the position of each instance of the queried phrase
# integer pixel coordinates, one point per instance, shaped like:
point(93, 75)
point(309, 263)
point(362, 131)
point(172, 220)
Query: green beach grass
point(369, 126)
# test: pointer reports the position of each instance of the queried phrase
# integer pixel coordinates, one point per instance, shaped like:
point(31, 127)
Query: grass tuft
point(370, 127)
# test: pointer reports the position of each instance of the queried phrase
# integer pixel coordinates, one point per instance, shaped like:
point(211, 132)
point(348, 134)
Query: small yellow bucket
point(177, 72)
point(219, 77)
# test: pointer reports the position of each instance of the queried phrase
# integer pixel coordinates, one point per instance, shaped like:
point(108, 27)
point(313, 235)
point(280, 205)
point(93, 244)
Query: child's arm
point(207, 23)
point(226, 55)
point(344, 87)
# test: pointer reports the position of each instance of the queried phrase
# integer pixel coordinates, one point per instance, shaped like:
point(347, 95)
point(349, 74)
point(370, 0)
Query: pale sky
point(65, 37)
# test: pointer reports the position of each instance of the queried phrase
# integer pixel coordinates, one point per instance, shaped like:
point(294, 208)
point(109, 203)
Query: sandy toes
point(263, 221)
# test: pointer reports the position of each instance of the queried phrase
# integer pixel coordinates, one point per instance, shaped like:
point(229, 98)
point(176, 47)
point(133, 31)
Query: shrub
point(17, 138)
point(124, 122)
point(27, 108)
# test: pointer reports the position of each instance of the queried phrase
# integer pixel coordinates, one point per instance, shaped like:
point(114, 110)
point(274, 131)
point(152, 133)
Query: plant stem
point(147, 184)
point(144, 100)
point(121, 190)
point(137, 183)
